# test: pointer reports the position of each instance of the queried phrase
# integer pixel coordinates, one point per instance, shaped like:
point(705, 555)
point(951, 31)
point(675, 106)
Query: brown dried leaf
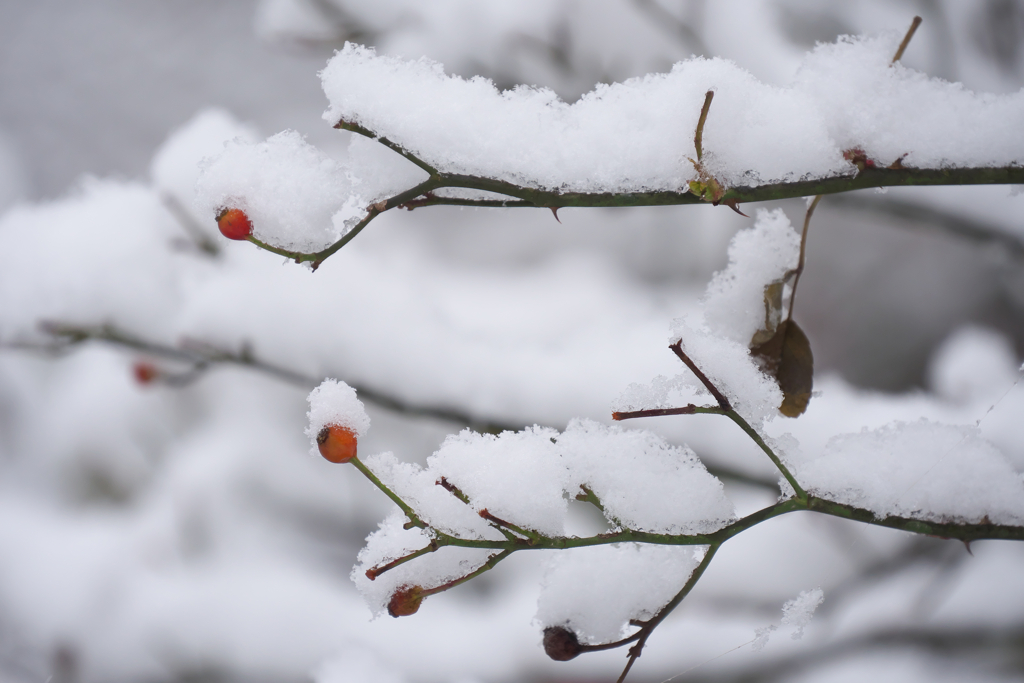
point(787, 357)
point(772, 312)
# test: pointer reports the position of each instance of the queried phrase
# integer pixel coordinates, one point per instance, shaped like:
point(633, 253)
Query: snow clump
point(334, 403)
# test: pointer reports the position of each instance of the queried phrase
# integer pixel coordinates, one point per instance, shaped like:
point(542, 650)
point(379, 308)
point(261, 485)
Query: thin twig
point(195, 232)
point(756, 438)
point(491, 562)
point(531, 536)
point(689, 409)
point(665, 19)
point(651, 624)
point(373, 572)
point(414, 519)
point(723, 402)
point(203, 356)
point(803, 250)
point(906, 40)
point(921, 215)
point(814, 203)
point(394, 146)
point(698, 136)
point(464, 499)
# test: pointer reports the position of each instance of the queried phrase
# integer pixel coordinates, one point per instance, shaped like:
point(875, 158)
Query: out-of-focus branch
point(202, 356)
point(928, 217)
point(676, 26)
point(196, 233)
point(915, 552)
point(997, 647)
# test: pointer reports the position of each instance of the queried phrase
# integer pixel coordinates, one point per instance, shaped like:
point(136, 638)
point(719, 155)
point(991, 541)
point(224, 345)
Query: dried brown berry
point(561, 644)
point(336, 443)
point(405, 601)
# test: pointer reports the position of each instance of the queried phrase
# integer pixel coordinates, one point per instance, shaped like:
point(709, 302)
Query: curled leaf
point(787, 357)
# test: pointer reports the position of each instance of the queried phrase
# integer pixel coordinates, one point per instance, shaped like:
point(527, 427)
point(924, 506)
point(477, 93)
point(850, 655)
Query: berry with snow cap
point(337, 444)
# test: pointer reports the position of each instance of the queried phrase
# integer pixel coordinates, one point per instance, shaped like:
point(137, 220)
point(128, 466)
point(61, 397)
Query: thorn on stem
point(734, 205)
point(554, 212)
point(898, 164)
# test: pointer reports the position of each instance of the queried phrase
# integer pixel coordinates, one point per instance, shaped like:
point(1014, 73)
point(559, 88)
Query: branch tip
point(723, 402)
point(906, 39)
point(698, 137)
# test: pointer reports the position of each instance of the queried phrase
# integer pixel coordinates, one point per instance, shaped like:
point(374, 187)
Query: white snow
point(718, 335)
point(637, 134)
point(799, 611)
point(335, 403)
point(390, 542)
point(796, 613)
point(974, 364)
point(175, 167)
point(643, 482)
point(296, 196)
point(597, 591)
point(518, 477)
point(157, 532)
point(734, 306)
point(922, 469)
point(436, 506)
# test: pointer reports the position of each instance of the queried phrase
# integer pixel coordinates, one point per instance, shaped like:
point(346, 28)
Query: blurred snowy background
point(178, 529)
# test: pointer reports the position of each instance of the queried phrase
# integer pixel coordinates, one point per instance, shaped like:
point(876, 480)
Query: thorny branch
point(200, 356)
point(513, 195)
point(518, 538)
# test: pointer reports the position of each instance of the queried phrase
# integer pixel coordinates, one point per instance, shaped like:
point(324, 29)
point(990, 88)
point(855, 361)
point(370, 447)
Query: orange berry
point(336, 443)
point(234, 224)
point(405, 601)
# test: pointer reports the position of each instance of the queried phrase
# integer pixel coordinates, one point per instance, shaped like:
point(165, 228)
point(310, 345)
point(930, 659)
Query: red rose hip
point(234, 224)
point(336, 443)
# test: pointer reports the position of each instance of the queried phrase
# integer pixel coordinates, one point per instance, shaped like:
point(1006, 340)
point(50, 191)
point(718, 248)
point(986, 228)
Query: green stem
point(649, 626)
point(393, 146)
point(409, 512)
point(949, 530)
point(756, 438)
point(533, 536)
point(376, 209)
point(541, 198)
point(491, 562)
point(374, 572)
